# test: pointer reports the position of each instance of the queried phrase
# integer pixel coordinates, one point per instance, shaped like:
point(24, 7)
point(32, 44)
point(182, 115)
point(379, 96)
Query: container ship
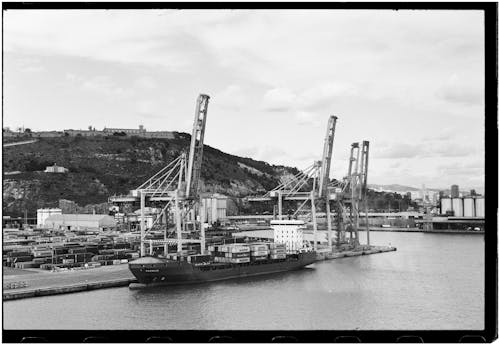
point(226, 261)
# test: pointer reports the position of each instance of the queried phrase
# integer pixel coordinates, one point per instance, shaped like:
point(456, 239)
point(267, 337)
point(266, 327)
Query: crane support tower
point(349, 194)
point(196, 148)
point(327, 156)
point(174, 191)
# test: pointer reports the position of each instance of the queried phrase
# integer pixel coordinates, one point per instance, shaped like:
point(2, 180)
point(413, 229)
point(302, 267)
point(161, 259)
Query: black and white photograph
point(244, 169)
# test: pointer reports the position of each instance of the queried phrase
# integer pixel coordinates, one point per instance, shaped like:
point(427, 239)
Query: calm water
point(433, 281)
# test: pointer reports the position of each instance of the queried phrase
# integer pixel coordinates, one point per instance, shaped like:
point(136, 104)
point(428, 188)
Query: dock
point(53, 283)
point(325, 254)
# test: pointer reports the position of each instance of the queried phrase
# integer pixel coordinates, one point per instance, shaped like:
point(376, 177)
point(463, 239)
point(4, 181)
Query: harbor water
point(433, 281)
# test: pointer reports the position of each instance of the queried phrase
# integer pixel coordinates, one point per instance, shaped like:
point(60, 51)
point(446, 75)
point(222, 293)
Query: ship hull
point(157, 271)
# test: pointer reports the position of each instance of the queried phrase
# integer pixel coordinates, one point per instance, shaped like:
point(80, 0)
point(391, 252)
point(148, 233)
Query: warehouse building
point(79, 221)
point(43, 213)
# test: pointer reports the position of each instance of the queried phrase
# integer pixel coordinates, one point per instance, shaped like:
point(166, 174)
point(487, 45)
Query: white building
point(43, 213)
point(213, 208)
point(288, 232)
point(464, 207)
point(79, 221)
point(56, 169)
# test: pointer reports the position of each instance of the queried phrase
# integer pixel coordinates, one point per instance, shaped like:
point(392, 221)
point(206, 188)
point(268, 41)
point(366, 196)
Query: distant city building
point(129, 131)
point(454, 191)
point(158, 134)
point(47, 134)
point(83, 132)
point(473, 192)
point(56, 169)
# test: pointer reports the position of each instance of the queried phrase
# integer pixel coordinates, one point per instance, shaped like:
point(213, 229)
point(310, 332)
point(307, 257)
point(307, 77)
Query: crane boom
point(196, 148)
point(327, 156)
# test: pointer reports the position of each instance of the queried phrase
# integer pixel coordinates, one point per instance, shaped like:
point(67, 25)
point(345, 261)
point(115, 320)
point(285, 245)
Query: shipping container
point(258, 247)
point(22, 258)
point(239, 260)
point(198, 258)
point(237, 255)
point(259, 253)
point(14, 254)
point(39, 254)
point(258, 258)
point(278, 256)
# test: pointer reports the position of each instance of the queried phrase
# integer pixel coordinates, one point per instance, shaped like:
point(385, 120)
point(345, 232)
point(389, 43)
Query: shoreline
point(39, 284)
point(435, 231)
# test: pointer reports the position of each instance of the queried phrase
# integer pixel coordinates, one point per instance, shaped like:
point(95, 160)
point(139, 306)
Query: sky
point(410, 82)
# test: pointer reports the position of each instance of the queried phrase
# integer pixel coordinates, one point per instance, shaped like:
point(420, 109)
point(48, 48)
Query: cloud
point(232, 97)
point(146, 82)
point(279, 100)
point(325, 94)
point(104, 85)
point(399, 150)
point(461, 93)
point(424, 150)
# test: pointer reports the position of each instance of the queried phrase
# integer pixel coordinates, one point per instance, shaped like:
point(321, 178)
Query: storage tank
point(480, 207)
point(469, 208)
point(445, 205)
point(458, 207)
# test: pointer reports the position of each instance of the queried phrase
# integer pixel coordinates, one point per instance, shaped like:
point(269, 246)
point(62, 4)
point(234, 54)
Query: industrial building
point(213, 208)
point(79, 221)
point(472, 207)
point(43, 213)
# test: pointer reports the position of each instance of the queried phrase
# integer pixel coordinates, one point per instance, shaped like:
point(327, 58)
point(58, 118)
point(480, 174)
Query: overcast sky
point(410, 82)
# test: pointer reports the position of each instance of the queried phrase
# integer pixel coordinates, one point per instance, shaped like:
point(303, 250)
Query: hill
point(103, 166)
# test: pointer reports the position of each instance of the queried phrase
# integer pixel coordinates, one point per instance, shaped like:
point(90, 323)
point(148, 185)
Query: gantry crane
point(348, 194)
point(308, 186)
point(176, 188)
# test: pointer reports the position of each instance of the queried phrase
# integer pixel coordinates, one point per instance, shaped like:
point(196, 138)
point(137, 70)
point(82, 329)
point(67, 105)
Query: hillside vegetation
point(103, 166)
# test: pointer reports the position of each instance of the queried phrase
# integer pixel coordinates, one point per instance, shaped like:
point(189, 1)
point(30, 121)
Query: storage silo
point(458, 207)
point(469, 208)
point(480, 207)
point(446, 205)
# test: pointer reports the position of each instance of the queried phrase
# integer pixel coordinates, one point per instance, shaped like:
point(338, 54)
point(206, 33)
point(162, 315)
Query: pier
point(47, 283)
point(325, 254)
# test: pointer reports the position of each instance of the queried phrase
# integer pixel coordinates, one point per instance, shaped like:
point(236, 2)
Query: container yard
point(47, 249)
